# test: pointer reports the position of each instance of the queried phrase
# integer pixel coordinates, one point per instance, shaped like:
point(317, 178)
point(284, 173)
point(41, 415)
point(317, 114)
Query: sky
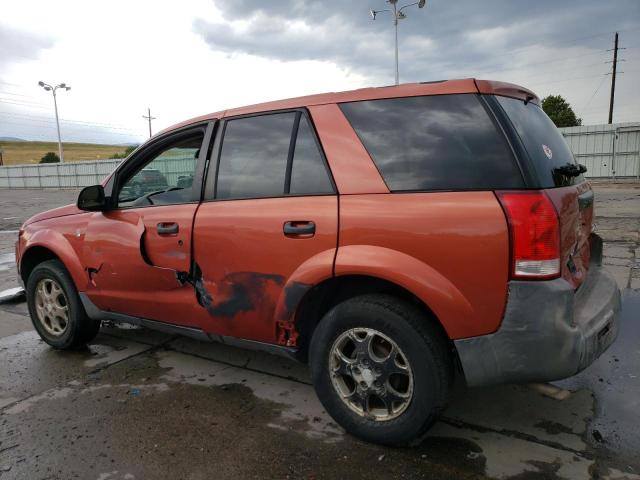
point(192, 57)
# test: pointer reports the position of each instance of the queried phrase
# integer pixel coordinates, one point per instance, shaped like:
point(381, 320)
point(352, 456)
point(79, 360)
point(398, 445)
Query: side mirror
point(92, 199)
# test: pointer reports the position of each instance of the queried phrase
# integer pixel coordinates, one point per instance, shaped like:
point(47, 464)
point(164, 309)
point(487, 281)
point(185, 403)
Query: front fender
point(61, 247)
point(451, 307)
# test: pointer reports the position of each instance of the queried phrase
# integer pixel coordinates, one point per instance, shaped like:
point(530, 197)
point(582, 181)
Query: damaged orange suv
point(390, 237)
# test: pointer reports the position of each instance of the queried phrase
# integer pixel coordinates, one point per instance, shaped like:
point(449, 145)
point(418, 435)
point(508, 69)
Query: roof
point(445, 87)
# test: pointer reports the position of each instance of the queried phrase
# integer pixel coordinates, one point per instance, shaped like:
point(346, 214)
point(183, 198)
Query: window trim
point(210, 181)
point(142, 154)
point(495, 121)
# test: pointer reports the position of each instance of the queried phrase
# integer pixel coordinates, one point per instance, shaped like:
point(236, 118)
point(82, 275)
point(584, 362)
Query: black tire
point(80, 329)
point(422, 343)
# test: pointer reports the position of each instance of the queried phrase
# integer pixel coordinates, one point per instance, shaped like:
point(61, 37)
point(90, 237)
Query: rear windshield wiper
point(570, 169)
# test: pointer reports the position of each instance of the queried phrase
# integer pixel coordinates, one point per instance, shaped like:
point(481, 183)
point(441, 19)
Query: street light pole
point(398, 14)
point(51, 89)
point(55, 106)
point(395, 27)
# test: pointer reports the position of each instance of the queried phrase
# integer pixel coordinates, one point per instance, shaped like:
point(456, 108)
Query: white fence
point(56, 175)
point(172, 166)
point(606, 150)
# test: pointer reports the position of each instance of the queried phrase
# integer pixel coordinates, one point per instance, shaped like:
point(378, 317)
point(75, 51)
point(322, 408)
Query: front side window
point(166, 177)
point(439, 142)
point(270, 155)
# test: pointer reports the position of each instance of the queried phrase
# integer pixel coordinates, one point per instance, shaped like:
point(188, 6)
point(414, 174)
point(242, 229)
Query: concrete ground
point(138, 404)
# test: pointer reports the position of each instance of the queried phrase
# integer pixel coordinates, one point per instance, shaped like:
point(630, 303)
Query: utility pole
point(613, 78)
point(52, 89)
point(149, 117)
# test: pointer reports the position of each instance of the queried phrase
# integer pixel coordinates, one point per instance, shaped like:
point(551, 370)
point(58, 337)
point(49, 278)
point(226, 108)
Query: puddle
point(7, 260)
point(109, 354)
point(303, 409)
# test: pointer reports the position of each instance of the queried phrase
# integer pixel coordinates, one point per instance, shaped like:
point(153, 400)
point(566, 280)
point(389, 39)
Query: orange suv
point(391, 237)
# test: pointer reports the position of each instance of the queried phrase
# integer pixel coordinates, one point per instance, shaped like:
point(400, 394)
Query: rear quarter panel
point(451, 249)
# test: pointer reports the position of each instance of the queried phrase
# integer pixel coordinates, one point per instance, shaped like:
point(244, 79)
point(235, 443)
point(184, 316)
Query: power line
point(604, 77)
point(27, 124)
point(79, 122)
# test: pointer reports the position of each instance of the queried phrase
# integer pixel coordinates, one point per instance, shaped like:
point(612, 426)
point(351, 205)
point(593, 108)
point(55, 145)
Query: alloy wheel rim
point(371, 374)
point(52, 307)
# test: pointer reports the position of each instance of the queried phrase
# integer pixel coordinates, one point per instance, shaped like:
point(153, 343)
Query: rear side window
point(271, 155)
point(308, 172)
point(253, 159)
point(443, 142)
point(544, 143)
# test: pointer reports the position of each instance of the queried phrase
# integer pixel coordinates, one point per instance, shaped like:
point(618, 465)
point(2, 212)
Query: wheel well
point(324, 296)
point(33, 257)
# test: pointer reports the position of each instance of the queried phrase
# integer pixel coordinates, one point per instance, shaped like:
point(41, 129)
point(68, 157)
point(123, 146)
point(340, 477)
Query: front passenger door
point(135, 252)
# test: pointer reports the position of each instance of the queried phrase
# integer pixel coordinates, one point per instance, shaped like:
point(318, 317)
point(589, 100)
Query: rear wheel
point(381, 368)
point(55, 308)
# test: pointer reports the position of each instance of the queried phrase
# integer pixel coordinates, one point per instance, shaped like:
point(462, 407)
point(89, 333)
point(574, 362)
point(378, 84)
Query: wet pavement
point(138, 404)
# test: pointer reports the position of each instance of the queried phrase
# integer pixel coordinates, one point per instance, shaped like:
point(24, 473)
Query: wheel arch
point(319, 299)
point(48, 245)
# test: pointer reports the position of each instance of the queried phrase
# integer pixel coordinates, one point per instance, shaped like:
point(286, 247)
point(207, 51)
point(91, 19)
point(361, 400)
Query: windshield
point(544, 143)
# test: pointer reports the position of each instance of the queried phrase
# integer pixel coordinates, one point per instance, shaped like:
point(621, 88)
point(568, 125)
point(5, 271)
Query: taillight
point(535, 234)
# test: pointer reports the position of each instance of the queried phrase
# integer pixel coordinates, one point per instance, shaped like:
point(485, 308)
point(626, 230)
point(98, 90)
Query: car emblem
point(547, 151)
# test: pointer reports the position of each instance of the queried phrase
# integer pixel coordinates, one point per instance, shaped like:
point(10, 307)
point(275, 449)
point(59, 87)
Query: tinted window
point(443, 142)
point(254, 155)
point(542, 140)
point(165, 178)
point(308, 172)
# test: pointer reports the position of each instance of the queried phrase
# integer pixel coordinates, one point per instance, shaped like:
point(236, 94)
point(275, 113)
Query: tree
point(50, 157)
point(126, 153)
point(560, 112)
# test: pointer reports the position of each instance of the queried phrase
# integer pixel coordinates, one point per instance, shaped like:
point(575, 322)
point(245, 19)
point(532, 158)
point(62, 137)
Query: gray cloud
point(18, 45)
point(446, 39)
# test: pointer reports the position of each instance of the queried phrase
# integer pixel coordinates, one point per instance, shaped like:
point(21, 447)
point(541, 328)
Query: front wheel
point(381, 368)
point(55, 307)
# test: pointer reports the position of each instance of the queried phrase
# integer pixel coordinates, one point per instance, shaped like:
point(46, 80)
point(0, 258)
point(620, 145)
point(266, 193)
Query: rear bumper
point(549, 331)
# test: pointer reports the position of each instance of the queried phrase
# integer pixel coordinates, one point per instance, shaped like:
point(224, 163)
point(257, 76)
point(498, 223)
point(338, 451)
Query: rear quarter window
point(545, 145)
point(444, 142)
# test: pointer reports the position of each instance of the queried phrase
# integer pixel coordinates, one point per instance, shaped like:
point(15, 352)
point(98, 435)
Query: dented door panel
point(133, 270)
point(246, 265)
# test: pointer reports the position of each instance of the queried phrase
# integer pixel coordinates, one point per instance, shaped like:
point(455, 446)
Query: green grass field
point(15, 153)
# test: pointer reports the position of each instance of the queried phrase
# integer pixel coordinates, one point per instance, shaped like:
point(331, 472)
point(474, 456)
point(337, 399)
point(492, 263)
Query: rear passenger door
point(270, 215)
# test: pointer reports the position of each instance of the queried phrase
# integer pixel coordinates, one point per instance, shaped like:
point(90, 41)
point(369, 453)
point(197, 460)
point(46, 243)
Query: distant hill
point(11, 139)
point(20, 151)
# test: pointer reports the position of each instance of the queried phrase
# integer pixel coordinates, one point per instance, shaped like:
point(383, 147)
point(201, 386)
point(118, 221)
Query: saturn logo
point(547, 151)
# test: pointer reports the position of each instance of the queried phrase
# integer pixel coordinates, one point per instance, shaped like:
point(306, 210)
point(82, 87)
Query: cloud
point(442, 39)
point(19, 45)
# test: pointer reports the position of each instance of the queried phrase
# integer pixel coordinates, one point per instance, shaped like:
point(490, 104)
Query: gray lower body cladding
point(549, 331)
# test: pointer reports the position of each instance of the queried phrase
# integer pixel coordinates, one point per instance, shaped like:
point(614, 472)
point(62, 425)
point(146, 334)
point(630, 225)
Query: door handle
point(167, 228)
point(299, 228)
